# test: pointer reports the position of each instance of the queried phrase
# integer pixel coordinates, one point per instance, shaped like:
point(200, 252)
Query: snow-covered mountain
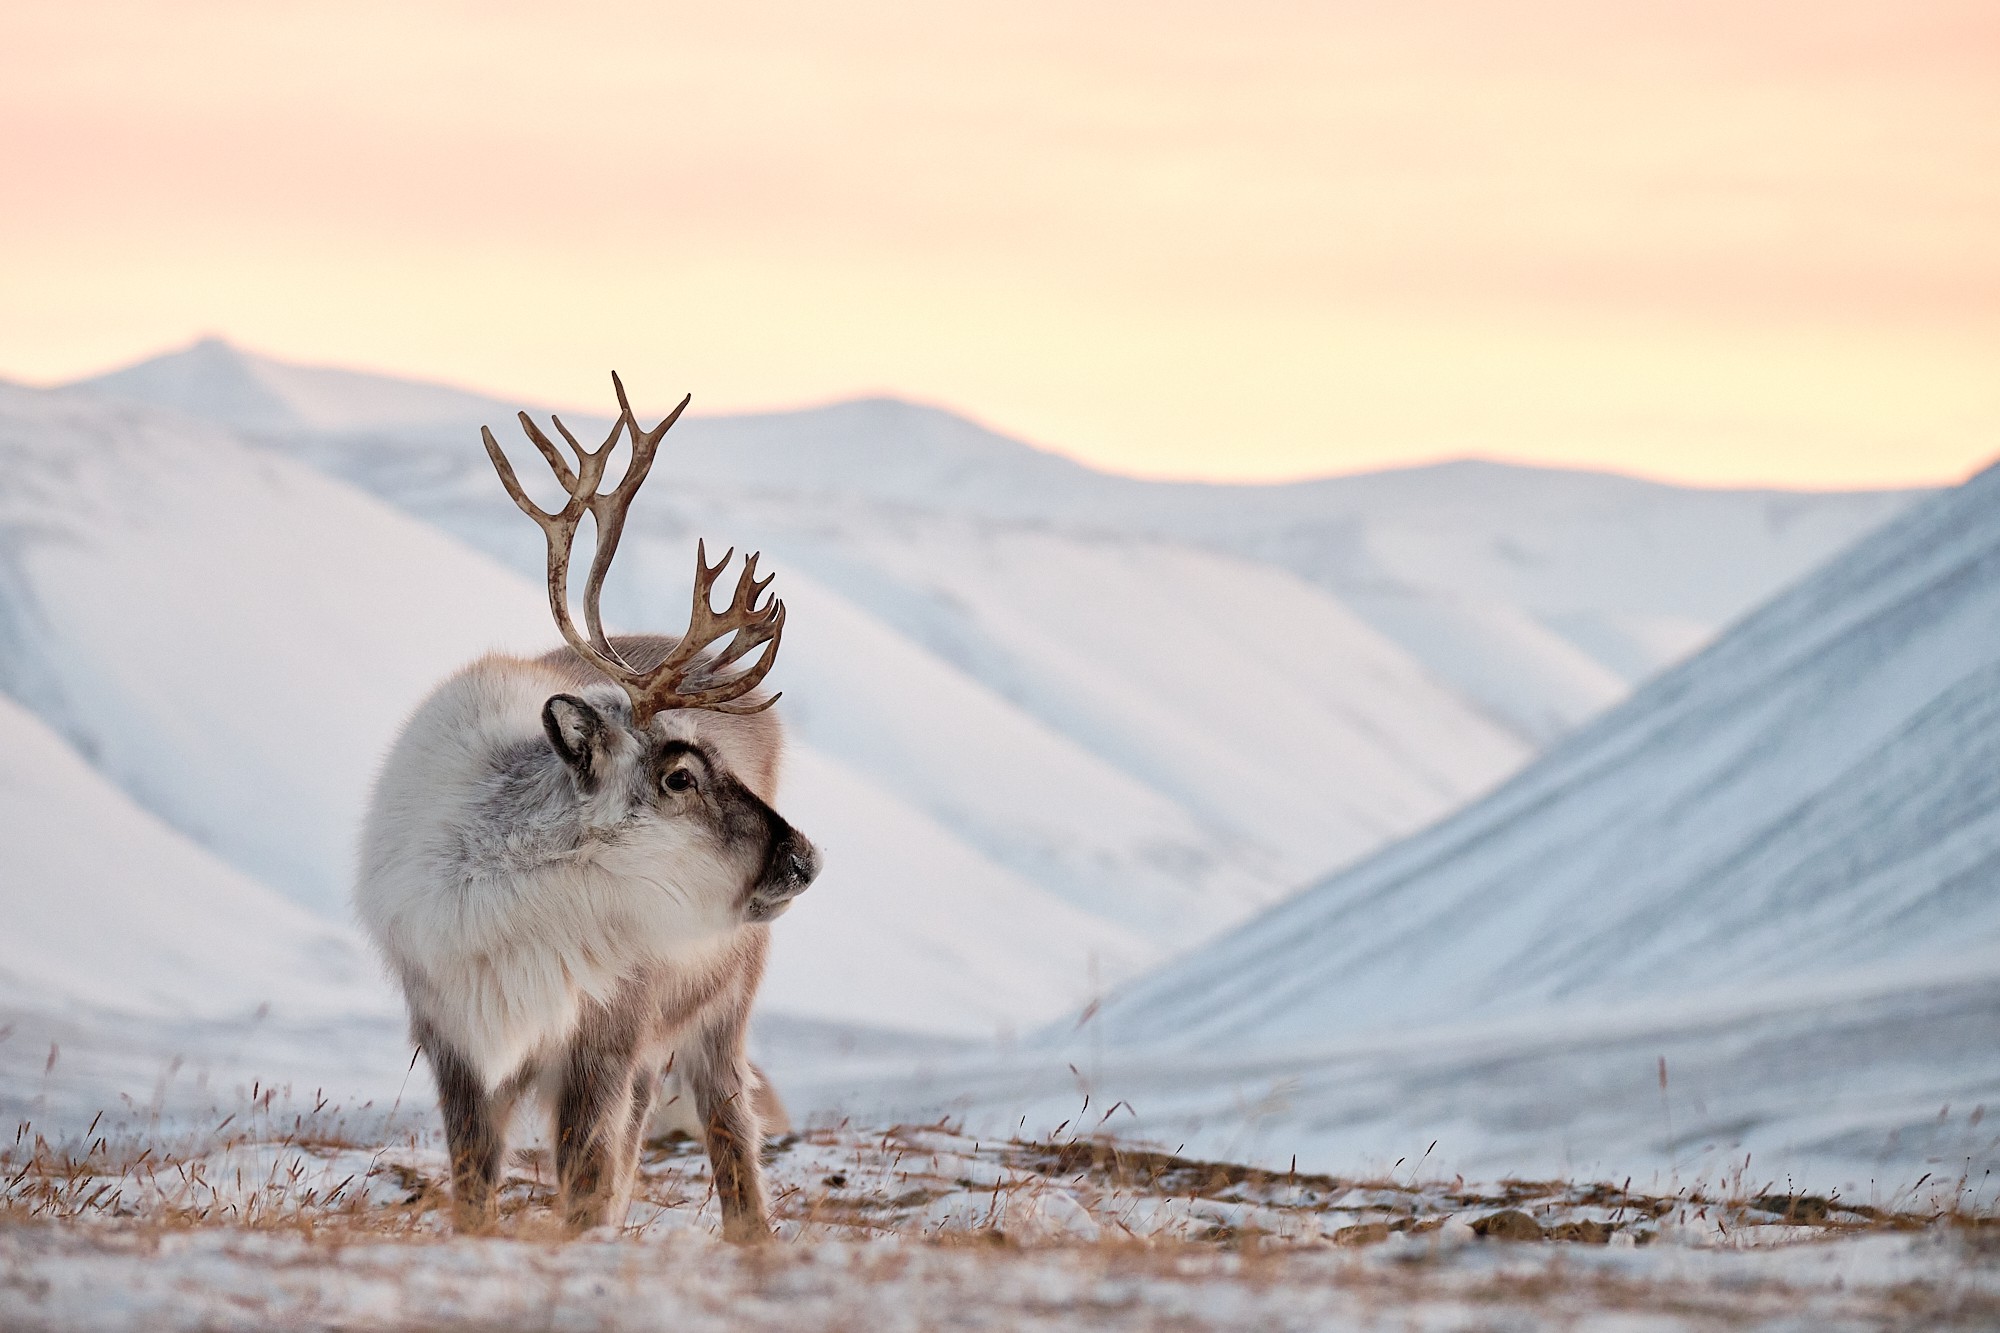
point(1002, 671)
point(1818, 792)
point(1540, 596)
point(219, 383)
point(1477, 612)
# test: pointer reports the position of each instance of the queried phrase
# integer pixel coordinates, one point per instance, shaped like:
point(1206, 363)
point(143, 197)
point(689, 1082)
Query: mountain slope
point(1859, 1084)
point(229, 636)
point(1818, 791)
point(1229, 686)
point(1539, 593)
point(140, 973)
point(218, 383)
point(106, 908)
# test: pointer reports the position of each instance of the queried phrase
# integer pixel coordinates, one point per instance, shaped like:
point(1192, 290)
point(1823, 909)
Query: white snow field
point(229, 636)
point(1851, 1084)
point(1754, 910)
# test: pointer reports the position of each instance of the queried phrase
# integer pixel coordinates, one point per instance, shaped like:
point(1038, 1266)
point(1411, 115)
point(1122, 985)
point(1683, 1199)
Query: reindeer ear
point(576, 732)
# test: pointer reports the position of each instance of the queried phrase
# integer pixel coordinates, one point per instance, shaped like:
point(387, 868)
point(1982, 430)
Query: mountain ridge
point(1841, 736)
point(1579, 583)
point(284, 395)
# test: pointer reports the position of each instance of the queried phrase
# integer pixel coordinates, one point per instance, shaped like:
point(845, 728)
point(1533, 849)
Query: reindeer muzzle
point(789, 869)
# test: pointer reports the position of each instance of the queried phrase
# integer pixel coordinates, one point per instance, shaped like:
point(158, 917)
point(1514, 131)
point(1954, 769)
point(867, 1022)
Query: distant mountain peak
point(214, 378)
point(208, 378)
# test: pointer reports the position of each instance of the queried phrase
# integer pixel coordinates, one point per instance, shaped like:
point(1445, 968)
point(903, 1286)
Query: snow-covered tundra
point(570, 862)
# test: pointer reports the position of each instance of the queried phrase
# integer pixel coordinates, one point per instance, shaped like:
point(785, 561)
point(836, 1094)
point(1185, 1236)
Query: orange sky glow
point(1715, 241)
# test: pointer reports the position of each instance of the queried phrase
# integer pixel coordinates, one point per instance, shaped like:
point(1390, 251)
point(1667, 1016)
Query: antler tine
point(658, 431)
point(610, 508)
point(753, 625)
point(609, 512)
point(704, 580)
point(513, 483)
point(654, 436)
point(744, 710)
point(548, 450)
point(746, 680)
point(702, 629)
point(578, 449)
point(690, 675)
point(559, 532)
point(645, 446)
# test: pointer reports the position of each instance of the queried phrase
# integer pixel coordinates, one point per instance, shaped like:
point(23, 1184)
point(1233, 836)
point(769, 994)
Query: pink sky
point(1718, 242)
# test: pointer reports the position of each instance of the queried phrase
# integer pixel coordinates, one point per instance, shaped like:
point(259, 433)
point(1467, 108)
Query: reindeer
point(571, 862)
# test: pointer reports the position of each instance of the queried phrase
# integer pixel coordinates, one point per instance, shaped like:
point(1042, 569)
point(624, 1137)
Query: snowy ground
point(284, 1220)
point(1857, 1088)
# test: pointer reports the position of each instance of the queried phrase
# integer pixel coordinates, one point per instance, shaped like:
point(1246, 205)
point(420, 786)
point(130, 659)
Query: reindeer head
point(665, 792)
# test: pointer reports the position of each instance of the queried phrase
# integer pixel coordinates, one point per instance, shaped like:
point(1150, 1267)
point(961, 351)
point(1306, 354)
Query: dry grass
point(314, 1176)
point(303, 1217)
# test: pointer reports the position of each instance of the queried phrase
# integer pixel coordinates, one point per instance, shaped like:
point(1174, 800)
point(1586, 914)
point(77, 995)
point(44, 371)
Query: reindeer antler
point(689, 677)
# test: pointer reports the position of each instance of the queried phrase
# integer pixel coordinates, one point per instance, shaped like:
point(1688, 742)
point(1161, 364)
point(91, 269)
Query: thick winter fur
point(573, 906)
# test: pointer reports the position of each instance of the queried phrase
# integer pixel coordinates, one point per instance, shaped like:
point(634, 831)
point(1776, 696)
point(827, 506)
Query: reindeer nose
point(804, 858)
point(790, 866)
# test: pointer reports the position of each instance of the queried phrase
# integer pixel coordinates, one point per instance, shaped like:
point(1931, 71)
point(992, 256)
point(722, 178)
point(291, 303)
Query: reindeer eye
point(680, 779)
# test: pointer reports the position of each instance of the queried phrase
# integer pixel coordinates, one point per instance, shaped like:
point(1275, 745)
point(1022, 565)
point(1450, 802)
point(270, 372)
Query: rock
point(1026, 1217)
point(1586, 1232)
point(1455, 1232)
point(960, 1210)
point(1801, 1209)
point(1508, 1224)
point(1046, 1215)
